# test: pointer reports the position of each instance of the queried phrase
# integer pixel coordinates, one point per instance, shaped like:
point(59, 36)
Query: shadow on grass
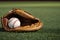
point(2, 30)
point(38, 31)
point(42, 30)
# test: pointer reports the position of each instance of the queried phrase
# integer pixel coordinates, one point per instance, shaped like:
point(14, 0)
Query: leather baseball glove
point(28, 22)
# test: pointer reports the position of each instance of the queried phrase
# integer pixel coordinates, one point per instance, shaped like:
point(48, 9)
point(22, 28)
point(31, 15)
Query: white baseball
point(14, 22)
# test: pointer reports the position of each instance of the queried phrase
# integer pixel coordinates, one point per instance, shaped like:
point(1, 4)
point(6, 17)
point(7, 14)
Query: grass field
point(47, 12)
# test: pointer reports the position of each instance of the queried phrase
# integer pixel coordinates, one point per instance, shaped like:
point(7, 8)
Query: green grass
point(29, 4)
point(47, 12)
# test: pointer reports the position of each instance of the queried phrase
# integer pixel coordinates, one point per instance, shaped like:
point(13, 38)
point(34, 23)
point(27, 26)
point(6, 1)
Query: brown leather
point(5, 24)
point(29, 22)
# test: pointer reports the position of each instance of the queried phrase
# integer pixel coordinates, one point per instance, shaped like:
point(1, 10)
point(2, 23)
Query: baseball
point(14, 22)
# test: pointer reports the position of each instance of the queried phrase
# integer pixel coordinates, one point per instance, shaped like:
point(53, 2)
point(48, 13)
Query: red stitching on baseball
point(12, 20)
point(15, 22)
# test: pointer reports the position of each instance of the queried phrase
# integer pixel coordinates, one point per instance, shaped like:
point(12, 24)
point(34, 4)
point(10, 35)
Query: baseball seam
point(15, 22)
point(11, 20)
